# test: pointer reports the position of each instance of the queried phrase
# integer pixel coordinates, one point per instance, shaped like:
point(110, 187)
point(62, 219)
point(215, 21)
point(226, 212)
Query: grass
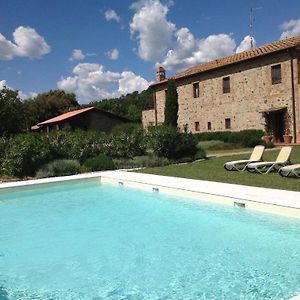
point(212, 170)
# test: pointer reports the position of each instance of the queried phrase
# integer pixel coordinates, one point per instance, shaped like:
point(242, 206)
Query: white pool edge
point(282, 202)
point(270, 200)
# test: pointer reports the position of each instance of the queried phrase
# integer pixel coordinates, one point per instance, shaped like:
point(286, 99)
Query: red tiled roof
point(238, 57)
point(65, 116)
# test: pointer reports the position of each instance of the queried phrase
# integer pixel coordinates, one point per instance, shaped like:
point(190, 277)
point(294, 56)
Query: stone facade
point(251, 94)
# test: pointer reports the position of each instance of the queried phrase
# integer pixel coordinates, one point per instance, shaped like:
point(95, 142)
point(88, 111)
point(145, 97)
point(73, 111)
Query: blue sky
point(100, 49)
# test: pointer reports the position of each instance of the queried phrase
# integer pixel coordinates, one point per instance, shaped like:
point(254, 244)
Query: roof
point(238, 57)
point(74, 113)
point(67, 115)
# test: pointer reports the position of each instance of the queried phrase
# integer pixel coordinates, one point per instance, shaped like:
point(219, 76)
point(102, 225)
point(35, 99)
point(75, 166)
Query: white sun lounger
point(290, 170)
point(241, 165)
point(265, 167)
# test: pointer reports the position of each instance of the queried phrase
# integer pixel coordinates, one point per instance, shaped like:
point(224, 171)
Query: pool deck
point(270, 200)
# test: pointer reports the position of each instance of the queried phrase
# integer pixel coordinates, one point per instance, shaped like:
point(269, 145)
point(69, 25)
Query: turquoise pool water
point(84, 240)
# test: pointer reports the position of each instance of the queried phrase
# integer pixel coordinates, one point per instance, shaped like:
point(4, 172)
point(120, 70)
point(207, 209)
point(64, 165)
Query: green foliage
point(141, 162)
point(166, 141)
point(12, 117)
point(24, 154)
point(61, 167)
point(126, 145)
point(217, 145)
point(129, 106)
point(78, 144)
point(171, 107)
point(99, 163)
point(48, 105)
point(246, 138)
point(200, 154)
point(127, 128)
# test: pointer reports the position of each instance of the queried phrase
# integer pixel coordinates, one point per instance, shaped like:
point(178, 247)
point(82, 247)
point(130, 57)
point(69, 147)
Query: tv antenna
point(251, 24)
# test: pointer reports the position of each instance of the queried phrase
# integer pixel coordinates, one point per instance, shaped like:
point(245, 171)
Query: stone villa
point(242, 91)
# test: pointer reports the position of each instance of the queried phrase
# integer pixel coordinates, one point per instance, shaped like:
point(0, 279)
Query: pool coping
point(262, 199)
point(271, 200)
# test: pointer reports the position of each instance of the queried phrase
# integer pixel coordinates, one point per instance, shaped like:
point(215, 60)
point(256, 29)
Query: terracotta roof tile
point(238, 57)
point(65, 116)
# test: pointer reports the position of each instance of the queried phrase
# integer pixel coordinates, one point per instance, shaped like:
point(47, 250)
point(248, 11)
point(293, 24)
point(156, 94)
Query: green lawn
point(212, 170)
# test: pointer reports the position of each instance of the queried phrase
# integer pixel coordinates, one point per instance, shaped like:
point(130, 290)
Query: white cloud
point(113, 54)
point(290, 28)
point(21, 94)
point(26, 42)
point(153, 30)
point(93, 82)
point(245, 44)
point(77, 55)
point(130, 82)
point(112, 15)
point(189, 51)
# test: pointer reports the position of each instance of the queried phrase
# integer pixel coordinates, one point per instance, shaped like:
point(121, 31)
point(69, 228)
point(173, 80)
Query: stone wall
point(148, 118)
point(251, 92)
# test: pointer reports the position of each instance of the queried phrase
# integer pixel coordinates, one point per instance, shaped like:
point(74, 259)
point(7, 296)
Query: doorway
point(275, 121)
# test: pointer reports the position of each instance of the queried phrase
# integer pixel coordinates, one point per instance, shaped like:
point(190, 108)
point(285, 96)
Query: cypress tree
point(171, 107)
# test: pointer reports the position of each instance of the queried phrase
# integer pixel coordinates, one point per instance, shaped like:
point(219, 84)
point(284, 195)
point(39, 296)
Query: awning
point(274, 109)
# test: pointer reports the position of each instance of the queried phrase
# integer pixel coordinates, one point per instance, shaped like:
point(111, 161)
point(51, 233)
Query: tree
point(171, 106)
point(48, 105)
point(12, 119)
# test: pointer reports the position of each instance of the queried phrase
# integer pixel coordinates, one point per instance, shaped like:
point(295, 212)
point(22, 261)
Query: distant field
point(212, 170)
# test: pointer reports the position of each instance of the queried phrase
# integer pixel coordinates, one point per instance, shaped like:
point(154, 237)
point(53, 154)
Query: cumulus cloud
point(77, 55)
point(113, 54)
point(93, 82)
point(245, 44)
point(152, 29)
point(290, 28)
point(21, 94)
point(111, 15)
point(189, 51)
point(26, 43)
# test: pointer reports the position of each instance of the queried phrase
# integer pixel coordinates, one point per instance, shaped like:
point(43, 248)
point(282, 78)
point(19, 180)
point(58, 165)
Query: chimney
point(160, 74)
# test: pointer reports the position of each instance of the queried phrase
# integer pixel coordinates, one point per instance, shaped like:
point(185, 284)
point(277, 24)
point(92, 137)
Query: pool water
point(86, 240)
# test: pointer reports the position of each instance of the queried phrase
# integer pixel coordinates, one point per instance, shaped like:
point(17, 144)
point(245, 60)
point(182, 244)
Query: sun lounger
point(265, 167)
point(241, 165)
point(290, 170)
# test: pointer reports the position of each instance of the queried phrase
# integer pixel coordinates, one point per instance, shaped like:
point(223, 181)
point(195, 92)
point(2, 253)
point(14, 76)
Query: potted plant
point(268, 137)
point(287, 137)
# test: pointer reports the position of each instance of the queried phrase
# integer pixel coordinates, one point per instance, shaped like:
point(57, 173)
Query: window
point(209, 125)
point(226, 85)
point(227, 123)
point(276, 74)
point(196, 90)
point(197, 126)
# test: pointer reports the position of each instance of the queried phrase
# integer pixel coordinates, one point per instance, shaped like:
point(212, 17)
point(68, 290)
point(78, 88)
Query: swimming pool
point(86, 240)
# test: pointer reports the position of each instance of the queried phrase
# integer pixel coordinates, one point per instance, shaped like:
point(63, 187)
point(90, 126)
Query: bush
point(216, 145)
point(60, 167)
point(127, 128)
point(24, 154)
point(99, 163)
point(200, 154)
point(245, 138)
point(167, 142)
point(126, 145)
point(141, 162)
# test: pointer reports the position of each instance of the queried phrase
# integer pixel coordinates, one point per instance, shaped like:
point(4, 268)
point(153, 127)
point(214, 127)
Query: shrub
point(216, 145)
point(126, 145)
point(127, 128)
point(24, 154)
point(99, 163)
point(167, 142)
point(141, 162)
point(246, 138)
point(78, 144)
point(200, 154)
point(60, 167)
